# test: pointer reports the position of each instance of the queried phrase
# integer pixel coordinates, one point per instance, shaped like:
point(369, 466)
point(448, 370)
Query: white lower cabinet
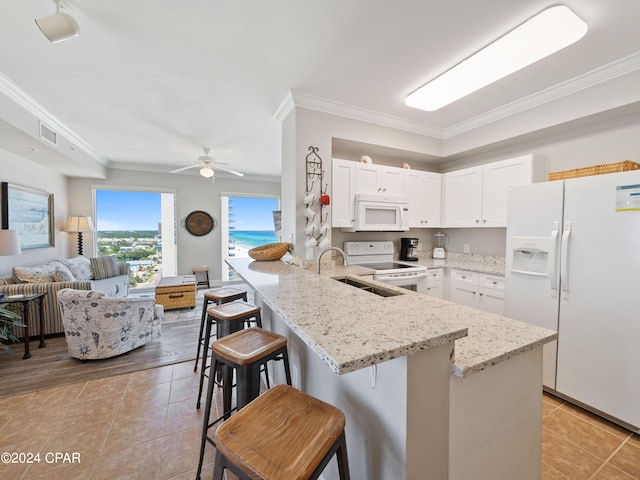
point(435, 282)
point(478, 290)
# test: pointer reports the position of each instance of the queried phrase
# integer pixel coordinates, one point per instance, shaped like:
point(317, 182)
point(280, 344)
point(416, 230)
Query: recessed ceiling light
point(549, 31)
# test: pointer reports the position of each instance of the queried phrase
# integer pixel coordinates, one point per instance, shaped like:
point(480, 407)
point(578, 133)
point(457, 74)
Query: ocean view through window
point(247, 222)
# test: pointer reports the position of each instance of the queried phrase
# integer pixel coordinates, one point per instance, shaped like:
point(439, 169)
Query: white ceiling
point(147, 84)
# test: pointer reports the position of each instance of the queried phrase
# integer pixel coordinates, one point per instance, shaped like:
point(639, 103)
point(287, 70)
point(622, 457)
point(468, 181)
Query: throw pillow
point(80, 267)
point(41, 274)
point(104, 267)
point(65, 272)
point(62, 275)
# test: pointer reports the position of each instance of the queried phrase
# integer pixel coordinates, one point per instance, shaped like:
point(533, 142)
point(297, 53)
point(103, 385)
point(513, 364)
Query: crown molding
point(590, 79)
point(286, 106)
point(323, 105)
point(31, 106)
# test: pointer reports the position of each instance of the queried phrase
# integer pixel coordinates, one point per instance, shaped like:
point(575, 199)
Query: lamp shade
point(79, 224)
point(58, 27)
point(9, 243)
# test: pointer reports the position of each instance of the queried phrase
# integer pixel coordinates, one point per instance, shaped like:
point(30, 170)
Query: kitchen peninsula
point(430, 389)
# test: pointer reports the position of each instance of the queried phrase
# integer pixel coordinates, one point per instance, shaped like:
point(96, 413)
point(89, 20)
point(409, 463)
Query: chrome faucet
point(344, 256)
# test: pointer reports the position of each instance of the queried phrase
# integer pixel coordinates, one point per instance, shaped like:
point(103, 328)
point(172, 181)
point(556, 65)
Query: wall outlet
point(466, 248)
point(419, 246)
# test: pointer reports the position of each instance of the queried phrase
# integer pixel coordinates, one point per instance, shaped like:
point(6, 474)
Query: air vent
point(49, 135)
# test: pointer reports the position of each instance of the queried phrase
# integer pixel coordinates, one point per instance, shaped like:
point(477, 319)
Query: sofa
point(101, 273)
point(97, 326)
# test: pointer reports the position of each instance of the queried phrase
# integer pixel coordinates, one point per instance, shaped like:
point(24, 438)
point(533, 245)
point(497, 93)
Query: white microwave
point(380, 213)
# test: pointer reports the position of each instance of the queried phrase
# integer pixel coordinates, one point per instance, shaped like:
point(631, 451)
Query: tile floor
point(145, 425)
point(578, 445)
point(142, 425)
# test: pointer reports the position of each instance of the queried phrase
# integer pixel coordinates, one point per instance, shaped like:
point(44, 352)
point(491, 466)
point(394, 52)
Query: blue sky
point(120, 210)
point(253, 213)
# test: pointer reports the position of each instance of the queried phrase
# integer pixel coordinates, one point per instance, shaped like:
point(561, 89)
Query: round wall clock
point(199, 223)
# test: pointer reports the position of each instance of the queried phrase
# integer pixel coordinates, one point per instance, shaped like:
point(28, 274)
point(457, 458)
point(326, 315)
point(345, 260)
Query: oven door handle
point(383, 278)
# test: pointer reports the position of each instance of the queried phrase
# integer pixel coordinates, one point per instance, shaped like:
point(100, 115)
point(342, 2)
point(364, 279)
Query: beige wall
point(604, 142)
point(25, 173)
point(192, 193)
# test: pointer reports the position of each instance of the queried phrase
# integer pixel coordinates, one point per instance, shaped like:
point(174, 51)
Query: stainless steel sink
point(375, 289)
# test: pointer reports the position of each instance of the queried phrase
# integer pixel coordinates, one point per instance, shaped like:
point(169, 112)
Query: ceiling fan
point(208, 165)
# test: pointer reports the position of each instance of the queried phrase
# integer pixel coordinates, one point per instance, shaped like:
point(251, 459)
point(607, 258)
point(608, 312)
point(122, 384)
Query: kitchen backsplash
point(467, 257)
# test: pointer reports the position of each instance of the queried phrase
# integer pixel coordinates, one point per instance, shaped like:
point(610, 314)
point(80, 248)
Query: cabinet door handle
point(176, 295)
point(477, 221)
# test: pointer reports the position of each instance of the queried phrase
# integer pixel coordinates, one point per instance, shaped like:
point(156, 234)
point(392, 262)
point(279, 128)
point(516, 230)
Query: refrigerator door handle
point(552, 267)
point(564, 267)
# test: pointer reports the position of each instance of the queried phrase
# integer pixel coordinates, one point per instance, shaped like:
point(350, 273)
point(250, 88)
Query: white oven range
point(378, 256)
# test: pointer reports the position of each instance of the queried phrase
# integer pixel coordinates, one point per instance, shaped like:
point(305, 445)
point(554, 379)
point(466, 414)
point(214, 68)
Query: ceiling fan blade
point(218, 167)
point(185, 168)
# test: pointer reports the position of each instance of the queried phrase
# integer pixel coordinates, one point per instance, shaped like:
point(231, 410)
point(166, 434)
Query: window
point(138, 227)
point(247, 222)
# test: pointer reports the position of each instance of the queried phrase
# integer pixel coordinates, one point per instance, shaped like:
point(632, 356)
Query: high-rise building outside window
point(246, 222)
point(138, 227)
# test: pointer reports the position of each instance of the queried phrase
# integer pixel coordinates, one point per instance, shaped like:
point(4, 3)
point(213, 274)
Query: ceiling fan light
point(206, 172)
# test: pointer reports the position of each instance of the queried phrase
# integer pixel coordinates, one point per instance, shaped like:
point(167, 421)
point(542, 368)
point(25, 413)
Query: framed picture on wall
point(30, 212)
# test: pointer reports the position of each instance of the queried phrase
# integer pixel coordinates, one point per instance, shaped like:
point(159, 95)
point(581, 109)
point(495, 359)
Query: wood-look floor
point(52, 366)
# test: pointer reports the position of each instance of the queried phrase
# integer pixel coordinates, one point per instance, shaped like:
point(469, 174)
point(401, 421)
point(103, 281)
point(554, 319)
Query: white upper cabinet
point(496, 179)
point(477, 196)
point(463, 198)
point(424, 191)
point(379, 179)
point(470, 197)
point(343, 193)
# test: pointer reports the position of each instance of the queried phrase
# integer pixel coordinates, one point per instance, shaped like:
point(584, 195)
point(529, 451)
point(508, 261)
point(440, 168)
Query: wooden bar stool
point(228, 318)
point(218, 296)
point(282, 435)
point(245, 351)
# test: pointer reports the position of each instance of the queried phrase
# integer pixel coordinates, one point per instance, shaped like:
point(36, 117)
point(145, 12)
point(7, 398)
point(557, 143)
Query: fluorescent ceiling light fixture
point(548, 32)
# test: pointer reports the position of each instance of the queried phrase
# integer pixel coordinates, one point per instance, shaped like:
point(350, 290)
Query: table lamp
point(9, 243)
point(79, 225)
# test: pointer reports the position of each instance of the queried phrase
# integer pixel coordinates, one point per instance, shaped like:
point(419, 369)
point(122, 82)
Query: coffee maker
point(408, 250)
point(439, 241)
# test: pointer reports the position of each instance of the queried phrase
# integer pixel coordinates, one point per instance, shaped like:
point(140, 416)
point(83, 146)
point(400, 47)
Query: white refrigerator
point(573, 265)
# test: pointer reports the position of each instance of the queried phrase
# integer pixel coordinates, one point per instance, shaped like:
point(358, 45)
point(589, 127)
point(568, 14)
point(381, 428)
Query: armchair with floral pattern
point(97, 326)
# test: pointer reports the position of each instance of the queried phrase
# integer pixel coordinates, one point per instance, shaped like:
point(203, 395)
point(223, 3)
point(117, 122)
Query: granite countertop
point(351, 329)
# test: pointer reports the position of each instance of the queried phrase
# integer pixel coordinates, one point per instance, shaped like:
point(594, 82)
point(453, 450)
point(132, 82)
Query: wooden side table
point(25, 300)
